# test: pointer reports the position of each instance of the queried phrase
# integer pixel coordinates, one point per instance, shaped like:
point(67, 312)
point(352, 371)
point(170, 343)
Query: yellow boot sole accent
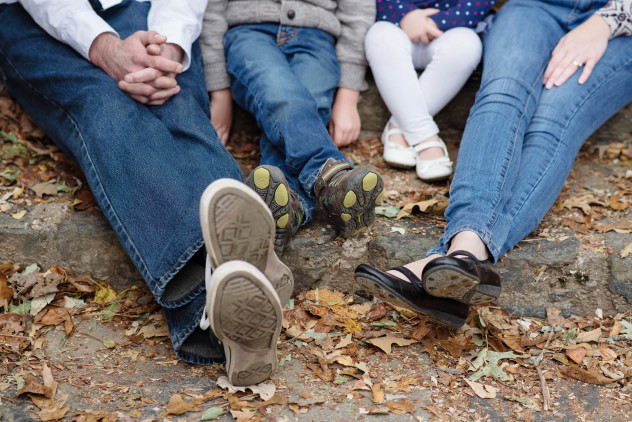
point(345, 217)
point(281, 196)
point(369, 182)
point(350, 199)
point(282, 221)
point(262, 178)
point(378, 200)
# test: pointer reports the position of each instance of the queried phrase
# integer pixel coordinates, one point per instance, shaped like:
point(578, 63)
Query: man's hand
point(344, 125)
point(419, 27)
point(119, 58)
point(222, 113)
point(155, 85)
point(583, 46)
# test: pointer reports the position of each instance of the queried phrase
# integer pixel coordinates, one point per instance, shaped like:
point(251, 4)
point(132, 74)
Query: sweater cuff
point(215, 76)
point(617, 17)
point(352, 76)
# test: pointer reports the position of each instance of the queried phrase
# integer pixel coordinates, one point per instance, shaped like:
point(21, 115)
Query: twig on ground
point(546, 396)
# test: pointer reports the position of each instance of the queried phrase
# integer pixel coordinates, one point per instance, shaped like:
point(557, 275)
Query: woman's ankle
point(471, 242)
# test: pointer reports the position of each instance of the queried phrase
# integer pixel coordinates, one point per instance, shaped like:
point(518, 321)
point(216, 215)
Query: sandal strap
point(409, 275)
point(431, 144)
point(466, 253)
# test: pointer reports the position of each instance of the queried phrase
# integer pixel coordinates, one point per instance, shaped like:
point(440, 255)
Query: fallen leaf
point(33, 386)
point(487, 364)
point(6, 292)
point(482, 390)
point(378, 394)
point(385, 343)
point(45, 188)
point(344, 341)
point(178, 406)
point(422, 205)
point(401, 407)
point(18, 215)
point(211, 413)
point(576, 355)
point(264, 390)
point(585, 376)
point(626, 251)
point(588, 336)
point(606, 353)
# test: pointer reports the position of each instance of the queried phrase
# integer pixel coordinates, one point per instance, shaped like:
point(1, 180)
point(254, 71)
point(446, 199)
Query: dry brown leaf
point(45, 188)
point(6, 292)
point(378, 394)
point(482, 390)
point(276, 399)
point(626, 251)
point(588, 336)
point(344, 341)
point(585, 376)
point(49, 381)
point(385, 343)
point(343, 360)
point(325, 296)
point(401, 407)
point(33, 386)
point(178, 406)
point(456, 345)
point(576, 355)
point(422, 205)
point(606, 353)
point(616, 329)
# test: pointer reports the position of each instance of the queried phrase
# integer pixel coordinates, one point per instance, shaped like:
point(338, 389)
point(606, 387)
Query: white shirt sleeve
point(180, 21)
point(72, 22)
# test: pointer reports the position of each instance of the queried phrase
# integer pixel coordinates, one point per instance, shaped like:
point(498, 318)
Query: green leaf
point(8, 174)
point(212, 413)
point(290, 304)
point(30, 269)
point(487, 364)
point(283, 361)
point(628, 327)
point(63, 187)
point(23, 308)
point(298, 343)
point(316, 336)
point(17, 379)
point(9, 136)
point(341, 379)
point(109, 312)
point(388, 211)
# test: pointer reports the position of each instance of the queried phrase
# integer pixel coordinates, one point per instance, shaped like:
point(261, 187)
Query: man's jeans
point(286, 77)
point(146, 165)
point(521, 139)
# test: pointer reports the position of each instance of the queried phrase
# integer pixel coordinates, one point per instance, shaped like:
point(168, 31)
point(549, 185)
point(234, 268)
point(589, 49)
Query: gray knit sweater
point(346, 20)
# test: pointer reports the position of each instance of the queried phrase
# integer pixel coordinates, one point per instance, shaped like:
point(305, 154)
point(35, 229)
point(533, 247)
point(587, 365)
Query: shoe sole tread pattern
point(267, 190)
point(247, 318)
point(449, 282)
point(364, 190)
point(237, 225)
point(369, 285)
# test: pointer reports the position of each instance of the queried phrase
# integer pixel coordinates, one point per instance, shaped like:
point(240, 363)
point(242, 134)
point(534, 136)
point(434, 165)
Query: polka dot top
point(452, 13)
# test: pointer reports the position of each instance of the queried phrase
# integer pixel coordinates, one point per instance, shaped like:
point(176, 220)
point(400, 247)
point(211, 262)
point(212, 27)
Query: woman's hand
point(583, 46)
point(419, 27)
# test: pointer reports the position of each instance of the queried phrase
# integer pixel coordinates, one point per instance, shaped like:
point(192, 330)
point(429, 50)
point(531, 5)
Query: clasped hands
point(144, 64)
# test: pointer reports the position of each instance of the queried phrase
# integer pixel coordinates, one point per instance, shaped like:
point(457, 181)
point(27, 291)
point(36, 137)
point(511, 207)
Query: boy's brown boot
point(349, 195)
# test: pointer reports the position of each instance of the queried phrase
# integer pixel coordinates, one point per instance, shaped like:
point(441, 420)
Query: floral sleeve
point(618, 15)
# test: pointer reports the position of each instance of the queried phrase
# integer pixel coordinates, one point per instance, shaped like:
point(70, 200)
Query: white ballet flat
point(394, 154)
point(436, 169)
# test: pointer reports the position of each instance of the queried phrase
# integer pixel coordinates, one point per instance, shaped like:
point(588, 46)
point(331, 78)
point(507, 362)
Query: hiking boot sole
point(357, 212)
point(246, 316)
point(270, 184)
point(237, 225)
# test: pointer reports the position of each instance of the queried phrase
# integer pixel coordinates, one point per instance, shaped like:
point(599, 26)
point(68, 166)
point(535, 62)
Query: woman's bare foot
point(416, 267)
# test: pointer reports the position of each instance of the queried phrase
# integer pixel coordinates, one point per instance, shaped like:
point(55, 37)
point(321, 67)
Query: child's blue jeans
point(286, 77)
point(521, 139)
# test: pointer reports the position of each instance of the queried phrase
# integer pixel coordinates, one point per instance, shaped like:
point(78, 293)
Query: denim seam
point(181, 262)
point(565, 129)
point(495, 214)
point(108, 211)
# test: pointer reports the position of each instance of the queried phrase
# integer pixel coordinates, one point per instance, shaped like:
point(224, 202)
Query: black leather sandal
point(399, 292)
point(465, 279)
